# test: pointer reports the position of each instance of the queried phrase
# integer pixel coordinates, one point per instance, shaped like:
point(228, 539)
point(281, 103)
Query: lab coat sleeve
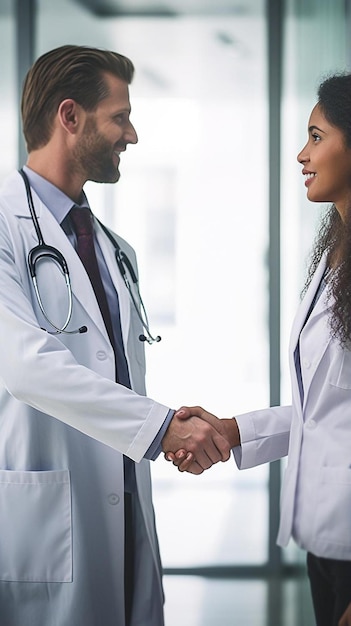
point(38, 370)
point(264, 436)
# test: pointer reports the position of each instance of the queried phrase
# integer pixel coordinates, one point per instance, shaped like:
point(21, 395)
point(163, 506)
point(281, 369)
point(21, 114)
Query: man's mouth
point(116, 157)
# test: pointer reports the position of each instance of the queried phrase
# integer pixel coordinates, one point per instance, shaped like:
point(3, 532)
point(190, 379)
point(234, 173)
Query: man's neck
point(59, 174)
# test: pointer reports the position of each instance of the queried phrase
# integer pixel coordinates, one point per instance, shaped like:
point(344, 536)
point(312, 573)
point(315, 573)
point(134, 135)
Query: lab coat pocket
point(332, 519)
point(340, 370)
point(35, 526)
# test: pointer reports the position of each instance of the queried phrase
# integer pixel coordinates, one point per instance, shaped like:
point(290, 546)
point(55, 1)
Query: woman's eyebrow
point(313, 127)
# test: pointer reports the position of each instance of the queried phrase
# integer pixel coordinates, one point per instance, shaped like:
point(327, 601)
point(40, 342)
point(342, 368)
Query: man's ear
point(69, 113)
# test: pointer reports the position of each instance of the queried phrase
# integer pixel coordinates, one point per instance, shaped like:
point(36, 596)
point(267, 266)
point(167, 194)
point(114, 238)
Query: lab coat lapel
point(305, 305)
point(108, 252)
point(300, 325)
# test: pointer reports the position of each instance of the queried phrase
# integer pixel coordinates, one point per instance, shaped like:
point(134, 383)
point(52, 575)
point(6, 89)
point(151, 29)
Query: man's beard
point(93, 156)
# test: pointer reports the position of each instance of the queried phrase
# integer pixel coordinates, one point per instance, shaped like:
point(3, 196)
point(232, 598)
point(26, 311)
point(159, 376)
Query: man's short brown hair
point(75, 72)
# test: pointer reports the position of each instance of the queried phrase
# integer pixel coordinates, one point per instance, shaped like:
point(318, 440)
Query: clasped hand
point(195, 439)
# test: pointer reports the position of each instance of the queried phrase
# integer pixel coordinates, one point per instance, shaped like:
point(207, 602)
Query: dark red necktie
point(82, 220)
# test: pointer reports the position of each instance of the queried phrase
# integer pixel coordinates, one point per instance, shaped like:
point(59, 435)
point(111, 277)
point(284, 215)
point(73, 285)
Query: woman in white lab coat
point(315, 431)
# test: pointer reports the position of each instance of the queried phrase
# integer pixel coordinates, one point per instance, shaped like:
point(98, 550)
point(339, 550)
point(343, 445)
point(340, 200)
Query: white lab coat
point(316, 434)
point(64, 424)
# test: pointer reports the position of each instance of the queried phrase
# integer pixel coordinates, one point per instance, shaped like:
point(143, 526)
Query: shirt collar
point(58, 203)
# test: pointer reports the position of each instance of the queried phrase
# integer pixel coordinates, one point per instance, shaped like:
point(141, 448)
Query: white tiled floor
point(195, 601)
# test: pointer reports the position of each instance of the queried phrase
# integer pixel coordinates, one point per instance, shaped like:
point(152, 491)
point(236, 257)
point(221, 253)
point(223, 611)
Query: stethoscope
point(44, 251)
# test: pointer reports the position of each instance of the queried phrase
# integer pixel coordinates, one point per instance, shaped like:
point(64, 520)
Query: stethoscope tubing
point(123, 262)
point(42, 250)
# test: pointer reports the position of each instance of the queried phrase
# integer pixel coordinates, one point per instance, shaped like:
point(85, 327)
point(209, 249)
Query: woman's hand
point(346, 617)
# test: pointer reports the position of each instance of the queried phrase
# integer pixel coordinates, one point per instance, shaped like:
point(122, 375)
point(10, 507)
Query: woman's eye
point(315, 137)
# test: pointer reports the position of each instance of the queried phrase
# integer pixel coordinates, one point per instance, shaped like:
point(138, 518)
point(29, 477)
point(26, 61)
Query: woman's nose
point(302, 156)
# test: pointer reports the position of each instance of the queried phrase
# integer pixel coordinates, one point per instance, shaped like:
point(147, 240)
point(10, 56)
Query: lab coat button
point(101, 355)
point(306, 363)
point(311, 424)
point(113, 499)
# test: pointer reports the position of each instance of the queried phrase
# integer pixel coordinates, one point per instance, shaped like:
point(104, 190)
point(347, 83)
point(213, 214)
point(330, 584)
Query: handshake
point(195, 439)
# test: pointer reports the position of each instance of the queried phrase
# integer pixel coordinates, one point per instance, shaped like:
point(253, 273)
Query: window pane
point(8, 101)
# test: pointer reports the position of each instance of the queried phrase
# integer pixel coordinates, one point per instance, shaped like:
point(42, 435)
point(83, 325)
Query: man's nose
point(131, 134)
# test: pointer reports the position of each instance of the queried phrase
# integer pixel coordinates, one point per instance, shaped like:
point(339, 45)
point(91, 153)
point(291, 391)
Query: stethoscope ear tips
point(150, 339)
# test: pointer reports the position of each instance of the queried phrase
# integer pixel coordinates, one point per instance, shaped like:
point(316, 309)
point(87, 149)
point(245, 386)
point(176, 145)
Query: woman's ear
point(69, 115)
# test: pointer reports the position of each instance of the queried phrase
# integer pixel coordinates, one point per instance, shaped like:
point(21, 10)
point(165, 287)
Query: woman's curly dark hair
point(334, 236)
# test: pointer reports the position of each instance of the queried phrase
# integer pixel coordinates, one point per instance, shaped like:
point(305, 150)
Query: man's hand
point(184, 458)
point(199, 438)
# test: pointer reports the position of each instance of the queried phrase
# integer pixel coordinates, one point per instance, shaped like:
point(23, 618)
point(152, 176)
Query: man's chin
point(112, 177)
point(115, 176)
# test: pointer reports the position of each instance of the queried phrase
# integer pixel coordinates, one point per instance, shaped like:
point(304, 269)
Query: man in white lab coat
point(74, 443)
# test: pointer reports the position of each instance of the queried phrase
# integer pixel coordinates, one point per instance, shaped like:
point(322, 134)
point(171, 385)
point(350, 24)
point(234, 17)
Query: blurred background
point(213, 201)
